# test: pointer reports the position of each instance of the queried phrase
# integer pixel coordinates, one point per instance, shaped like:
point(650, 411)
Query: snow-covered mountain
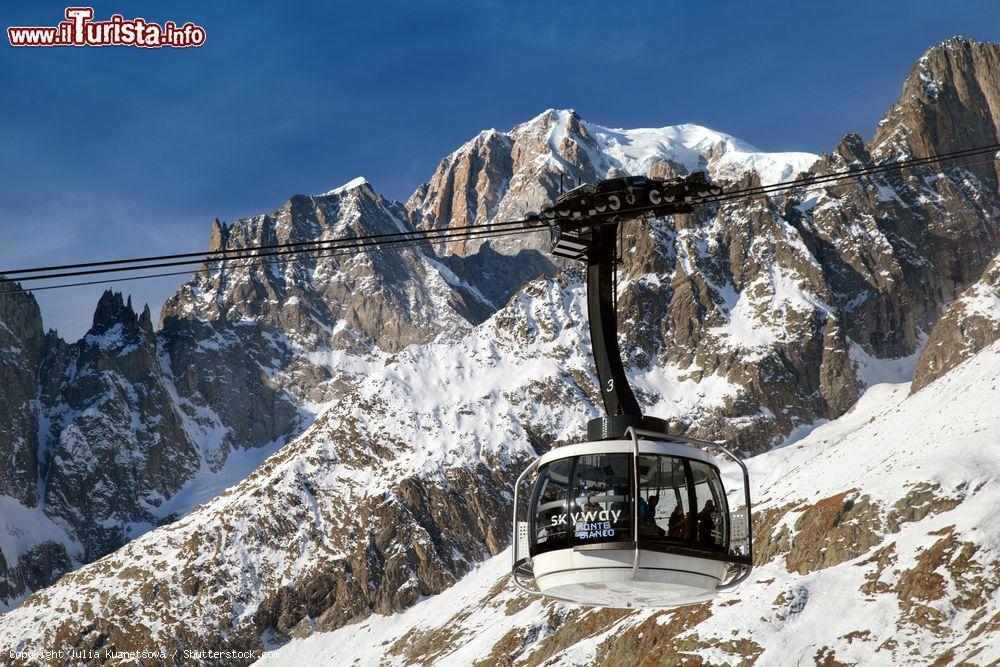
point(386, 400)
point(130, 428)
point(498, 176)
point(880, 546)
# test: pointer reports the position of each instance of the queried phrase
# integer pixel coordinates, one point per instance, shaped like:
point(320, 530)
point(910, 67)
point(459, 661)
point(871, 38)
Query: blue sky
point(117, 152)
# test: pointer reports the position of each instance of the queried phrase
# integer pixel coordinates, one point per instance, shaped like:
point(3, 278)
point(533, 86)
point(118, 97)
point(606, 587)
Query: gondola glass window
point(664, 502)
point(588, 499)
point(595, 507)
point(681, 502)
point(710, 504)
point(602, 511)
point(551, 526)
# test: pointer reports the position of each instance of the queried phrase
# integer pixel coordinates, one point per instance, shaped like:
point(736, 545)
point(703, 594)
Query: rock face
point(953, 220)
point(21, 347)
point(33, 557)
point(118, 447)
point(99, 446)
point(399, 391)
point(272, 331)
point(971, 323)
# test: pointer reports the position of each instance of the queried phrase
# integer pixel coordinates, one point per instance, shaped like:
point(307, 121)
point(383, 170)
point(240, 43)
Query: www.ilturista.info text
point(79, 29)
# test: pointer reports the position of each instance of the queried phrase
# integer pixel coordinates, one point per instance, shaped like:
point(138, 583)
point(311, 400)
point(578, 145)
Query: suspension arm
point(615, 390)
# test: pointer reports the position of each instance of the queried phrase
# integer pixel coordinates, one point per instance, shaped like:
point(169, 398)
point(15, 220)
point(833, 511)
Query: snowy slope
point(634, 151)
point(693, 147)
point(879, 544)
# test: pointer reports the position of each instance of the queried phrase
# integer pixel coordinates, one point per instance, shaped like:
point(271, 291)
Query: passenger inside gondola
point(620, 493)
point(706, 523)
point(663, 498)
point(677, 524)
point(647, 516)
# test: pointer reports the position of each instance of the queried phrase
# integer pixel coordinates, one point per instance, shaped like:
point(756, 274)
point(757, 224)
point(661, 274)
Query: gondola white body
point(608, 567)
point(605, 578)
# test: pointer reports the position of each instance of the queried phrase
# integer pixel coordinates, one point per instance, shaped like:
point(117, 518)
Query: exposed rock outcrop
point(117, 446)
point(970, 323)
point(22, 345)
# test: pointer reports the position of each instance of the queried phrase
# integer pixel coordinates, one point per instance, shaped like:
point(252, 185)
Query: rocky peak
point(957, 78)
point(849, 151)
point(146, 322)
point(117, 325)
point(218, 237)
point(114, 445)
point(271, 330)
point(112, 309)
point(384, 296)
point(20, 321)
point(897, 247)
point(501, 176)
point(354, 209)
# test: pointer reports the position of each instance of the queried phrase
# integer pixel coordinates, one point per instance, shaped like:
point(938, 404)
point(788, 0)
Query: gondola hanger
point(593, 533)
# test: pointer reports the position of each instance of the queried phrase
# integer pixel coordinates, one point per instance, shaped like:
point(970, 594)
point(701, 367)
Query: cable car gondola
point(634, 517)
